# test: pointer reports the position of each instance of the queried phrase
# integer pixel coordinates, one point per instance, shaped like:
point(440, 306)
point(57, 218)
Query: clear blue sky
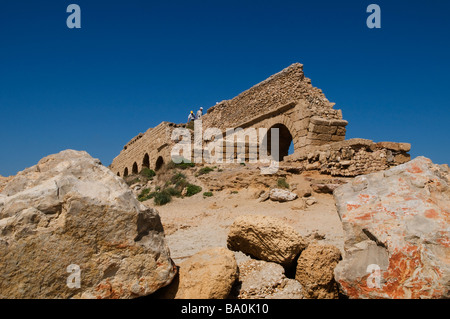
point(136, 63)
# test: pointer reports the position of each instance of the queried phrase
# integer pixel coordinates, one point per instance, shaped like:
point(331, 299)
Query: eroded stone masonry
point(303, 115)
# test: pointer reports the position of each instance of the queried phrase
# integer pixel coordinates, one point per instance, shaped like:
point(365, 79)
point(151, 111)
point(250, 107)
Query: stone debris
point(266, 280)
point(326, 186)
point(309, 201)
point(351, 158)
point(282, 195)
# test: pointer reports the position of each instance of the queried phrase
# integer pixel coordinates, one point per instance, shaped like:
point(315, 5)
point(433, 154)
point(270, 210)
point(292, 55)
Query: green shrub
point(234, 192)
point(177, 178)
point(192, 189)
point(173, 192)
point(184, 163)
point(207, 194)
point(282, 183)
point(190, 125)
point(144, 195)
point(204, 170)
point(147, 172)
point(133, 181)
point(162, 198)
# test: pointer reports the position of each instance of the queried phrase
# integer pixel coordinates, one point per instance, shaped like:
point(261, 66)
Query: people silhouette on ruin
point(191, 117)
point(199, 113)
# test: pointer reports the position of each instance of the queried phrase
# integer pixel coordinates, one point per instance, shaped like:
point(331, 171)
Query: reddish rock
point(396, 224)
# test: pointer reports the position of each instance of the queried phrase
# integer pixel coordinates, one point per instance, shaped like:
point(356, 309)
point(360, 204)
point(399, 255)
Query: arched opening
point(159, 163)
point(285, 142)
point(118, 174)
point(125, 172)
point(135, 168)
point(146, 161)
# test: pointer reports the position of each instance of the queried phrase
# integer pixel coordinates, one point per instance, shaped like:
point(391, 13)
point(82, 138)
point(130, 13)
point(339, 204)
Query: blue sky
point(136, 63)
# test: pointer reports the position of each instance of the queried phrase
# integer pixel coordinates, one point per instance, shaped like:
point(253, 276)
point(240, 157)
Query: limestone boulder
point(315, 271)
point(282, 195)
point(209, 274)
point(265, 238)
point(4, 181)
point(397, 226)
point(260, 279)
point(70, 228)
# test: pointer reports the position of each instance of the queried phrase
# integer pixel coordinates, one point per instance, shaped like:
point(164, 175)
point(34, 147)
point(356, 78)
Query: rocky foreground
point(70, 212)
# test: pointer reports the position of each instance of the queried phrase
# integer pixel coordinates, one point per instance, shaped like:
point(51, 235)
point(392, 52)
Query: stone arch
point(285, 140)
point(159, 163)
point(146, 161)
point(125, 172)
point(135, 170)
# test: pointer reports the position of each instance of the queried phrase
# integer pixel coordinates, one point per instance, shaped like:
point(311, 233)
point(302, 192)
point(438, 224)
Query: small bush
point(190, 125)
point(282, 183)
point(184, 163)
point(207, 194)
point(234, 192)
point(144, 195)
point(204, 170)
point(173, 192)
point(178, 177)
point(192, 189)
point(133, 181)
point(242, 164)
point(148, 173)
point(162, 198)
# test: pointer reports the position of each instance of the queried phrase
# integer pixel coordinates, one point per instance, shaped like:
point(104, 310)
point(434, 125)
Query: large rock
point(209, 274)
point(396, 225)
point(265, 238)
point(4, 181)
point(315, 271)
point(265, 280)
point(70, 218)
point(282, 195)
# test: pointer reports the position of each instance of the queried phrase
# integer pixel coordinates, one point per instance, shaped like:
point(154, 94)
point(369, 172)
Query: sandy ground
point(194, 223)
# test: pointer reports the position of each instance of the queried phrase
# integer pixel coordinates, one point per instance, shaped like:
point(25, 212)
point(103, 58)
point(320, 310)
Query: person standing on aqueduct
point(191, 117)
point(199, 113)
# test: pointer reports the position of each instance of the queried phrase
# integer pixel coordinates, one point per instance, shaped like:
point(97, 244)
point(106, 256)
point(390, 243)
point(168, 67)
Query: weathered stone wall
point(155, 143)
point(352, 157)
point(289, 85)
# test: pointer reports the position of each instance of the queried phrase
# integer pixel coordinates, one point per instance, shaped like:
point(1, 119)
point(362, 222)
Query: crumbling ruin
point(303, 115)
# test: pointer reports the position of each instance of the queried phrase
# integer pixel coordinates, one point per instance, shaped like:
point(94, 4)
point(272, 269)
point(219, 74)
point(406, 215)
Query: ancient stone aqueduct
point(303, 115)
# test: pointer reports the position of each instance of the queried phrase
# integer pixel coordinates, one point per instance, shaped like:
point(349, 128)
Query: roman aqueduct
point(286, 101)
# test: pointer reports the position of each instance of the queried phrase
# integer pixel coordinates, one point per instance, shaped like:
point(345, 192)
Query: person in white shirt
point(199, 113)
point(191, 117)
